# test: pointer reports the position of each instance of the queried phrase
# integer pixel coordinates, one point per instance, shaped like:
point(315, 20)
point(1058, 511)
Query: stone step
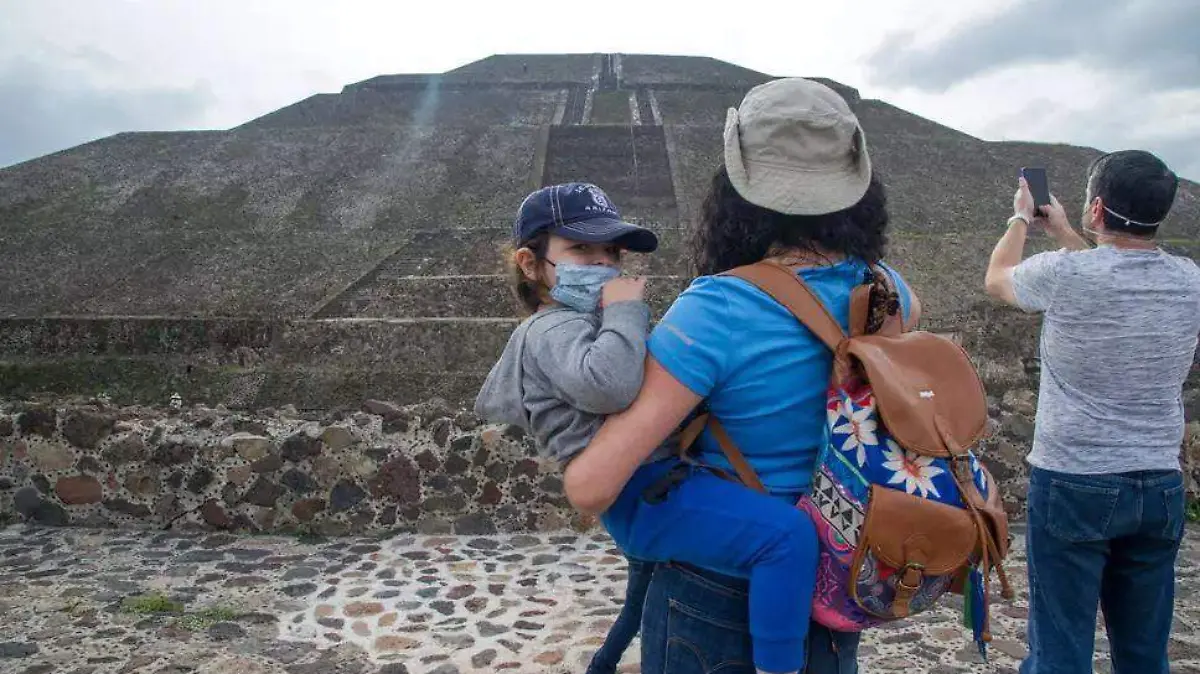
point(462, 297)
point(479, 251)
point(318, 386)
point(622, 159)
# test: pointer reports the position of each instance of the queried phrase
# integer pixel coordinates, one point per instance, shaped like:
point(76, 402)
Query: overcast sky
point(1111, 74)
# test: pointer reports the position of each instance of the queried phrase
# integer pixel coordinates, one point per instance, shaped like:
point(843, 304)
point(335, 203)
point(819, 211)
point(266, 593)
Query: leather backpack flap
point(927, 391)
point(918, 538)
point(902, 529)
point(995, 517)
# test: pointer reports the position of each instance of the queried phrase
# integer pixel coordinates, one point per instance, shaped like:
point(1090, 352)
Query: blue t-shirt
point(763, 374)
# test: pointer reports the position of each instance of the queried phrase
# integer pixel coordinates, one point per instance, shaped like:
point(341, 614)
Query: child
point(580, 356)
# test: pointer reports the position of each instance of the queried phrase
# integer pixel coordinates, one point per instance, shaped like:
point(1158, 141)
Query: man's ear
point(527, 260)
point(1096, 209)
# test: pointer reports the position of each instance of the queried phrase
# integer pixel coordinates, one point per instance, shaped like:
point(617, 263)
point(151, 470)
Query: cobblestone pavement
point(83, 601)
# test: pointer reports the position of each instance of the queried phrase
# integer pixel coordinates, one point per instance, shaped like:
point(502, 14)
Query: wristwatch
point(1022, 218)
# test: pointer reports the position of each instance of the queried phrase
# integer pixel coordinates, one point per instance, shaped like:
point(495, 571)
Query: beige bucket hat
point(794, 146)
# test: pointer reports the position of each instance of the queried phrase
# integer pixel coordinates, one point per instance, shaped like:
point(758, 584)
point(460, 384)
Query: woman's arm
point(595, 477)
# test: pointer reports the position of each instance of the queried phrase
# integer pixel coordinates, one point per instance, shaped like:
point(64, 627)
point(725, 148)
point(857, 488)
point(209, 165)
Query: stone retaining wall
point(426, 468)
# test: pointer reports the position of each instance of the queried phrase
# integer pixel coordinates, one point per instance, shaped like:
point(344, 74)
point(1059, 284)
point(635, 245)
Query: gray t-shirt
point(1118, 339)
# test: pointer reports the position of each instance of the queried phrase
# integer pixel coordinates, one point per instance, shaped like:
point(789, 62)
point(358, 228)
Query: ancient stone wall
point(426, 468)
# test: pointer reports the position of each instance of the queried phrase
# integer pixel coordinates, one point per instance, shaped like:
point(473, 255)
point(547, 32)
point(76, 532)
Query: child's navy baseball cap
point(580, 212)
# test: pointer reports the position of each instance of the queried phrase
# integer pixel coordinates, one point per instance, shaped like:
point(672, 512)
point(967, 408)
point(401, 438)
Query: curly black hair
point(733, 232)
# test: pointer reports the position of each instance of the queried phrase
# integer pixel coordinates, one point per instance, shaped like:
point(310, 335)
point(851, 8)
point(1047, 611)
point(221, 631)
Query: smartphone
point(1038, 186)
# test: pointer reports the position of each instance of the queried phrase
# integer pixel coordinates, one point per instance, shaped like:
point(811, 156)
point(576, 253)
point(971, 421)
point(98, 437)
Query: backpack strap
point(736, 459)
point(787, 288)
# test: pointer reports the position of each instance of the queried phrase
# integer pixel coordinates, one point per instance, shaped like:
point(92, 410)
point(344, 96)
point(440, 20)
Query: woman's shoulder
point(716, 293)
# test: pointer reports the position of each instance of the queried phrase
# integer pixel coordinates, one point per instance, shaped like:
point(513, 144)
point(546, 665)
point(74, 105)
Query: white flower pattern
point(980, 477)
point(860, 428)
point(914, 471)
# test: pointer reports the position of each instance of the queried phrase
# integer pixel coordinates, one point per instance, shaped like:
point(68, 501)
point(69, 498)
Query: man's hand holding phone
point(1023, 201)
point(1052, 218)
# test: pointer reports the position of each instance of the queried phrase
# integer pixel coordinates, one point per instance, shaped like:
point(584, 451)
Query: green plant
point(150, 603)
point(1193, 511)
point(205, 618)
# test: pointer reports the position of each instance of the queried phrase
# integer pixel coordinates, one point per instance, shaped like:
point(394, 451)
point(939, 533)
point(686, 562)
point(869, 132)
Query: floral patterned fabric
point(859, 453)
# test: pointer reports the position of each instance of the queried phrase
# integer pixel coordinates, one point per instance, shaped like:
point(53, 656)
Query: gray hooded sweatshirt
point(563, 371)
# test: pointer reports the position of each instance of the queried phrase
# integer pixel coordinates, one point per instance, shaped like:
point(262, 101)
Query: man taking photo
point(1106, 497)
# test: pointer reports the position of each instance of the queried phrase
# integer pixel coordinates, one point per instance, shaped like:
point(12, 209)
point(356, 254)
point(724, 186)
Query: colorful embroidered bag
point(904, 510)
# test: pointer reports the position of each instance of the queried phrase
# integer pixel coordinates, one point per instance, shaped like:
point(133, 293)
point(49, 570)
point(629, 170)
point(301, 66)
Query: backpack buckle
point(902, 575)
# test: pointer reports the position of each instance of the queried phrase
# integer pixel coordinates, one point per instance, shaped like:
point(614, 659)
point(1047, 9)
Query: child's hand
point(623, 289)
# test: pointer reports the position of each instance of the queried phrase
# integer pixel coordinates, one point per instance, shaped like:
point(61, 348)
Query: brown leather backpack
point(914, 513)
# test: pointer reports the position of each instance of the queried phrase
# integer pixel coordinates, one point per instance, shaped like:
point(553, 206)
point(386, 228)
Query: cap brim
point(606, 230)
point(795, 192)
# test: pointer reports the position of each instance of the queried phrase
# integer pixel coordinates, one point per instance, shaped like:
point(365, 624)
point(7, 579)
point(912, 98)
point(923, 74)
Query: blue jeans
point(1107, 540)
point(713, 523)
point(697, 622)
point(628, 622)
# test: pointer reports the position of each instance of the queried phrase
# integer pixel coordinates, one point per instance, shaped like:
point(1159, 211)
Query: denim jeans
point(1107, 540)
point(628, 621)
point(697, 622)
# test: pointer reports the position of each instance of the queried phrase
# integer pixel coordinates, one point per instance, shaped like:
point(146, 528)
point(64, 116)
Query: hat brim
point(606, 230)
point(792, 191)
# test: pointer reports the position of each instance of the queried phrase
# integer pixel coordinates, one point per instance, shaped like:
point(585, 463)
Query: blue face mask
point(578, 285)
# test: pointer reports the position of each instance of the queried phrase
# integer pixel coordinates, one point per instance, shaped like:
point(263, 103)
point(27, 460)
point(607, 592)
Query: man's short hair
point(1135, 185)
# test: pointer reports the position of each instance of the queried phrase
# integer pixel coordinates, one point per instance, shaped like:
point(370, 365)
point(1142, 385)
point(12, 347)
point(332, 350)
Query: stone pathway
point(83, 601)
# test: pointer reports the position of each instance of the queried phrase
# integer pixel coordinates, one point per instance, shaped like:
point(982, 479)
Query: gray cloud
point(1156, 42)
point(50, 105)
point(1107, 126)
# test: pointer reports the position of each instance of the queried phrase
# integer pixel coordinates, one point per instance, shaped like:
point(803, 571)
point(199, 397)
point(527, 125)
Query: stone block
point(397, 480)
point(263, 493)
point(475, 524)
point(395, 424)
point(299, 447)
point(440, 429)
point(358, 465)
point(42, 483)
point(298, 481)
point(38, 420)
point(127, 508)
point(214, 515)
point(345, 495)
point(337, 437)
point(382, 408)
point(26, 500)
point(143, 482)
point(268, 464)
point(89, 464)
point(239, 475)
point(125, 448)
point(249, 447)
point(325, 469)
point(79, 490)
point(199, 480)
point(86, 429)
point(174, 451)
point(307, 509)
point(50, 455)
